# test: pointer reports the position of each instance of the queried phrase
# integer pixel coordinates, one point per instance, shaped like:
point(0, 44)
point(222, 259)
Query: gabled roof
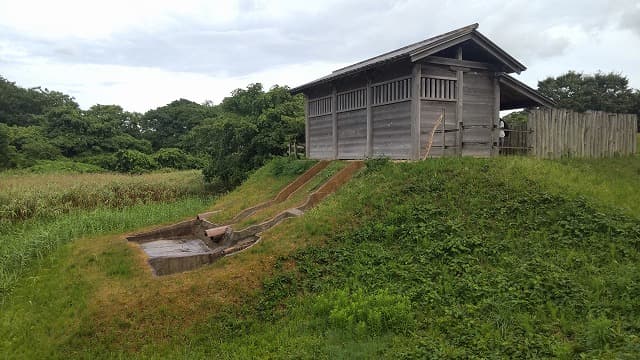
point(422, 49)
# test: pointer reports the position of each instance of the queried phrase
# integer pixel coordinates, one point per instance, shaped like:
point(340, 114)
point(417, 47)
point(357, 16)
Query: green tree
point(133, 161)
point(166, 126)
point(175, 158)
point(25, 107)
point(581, 92)
point(230, 152)
point(5, 157)
point(252, 127)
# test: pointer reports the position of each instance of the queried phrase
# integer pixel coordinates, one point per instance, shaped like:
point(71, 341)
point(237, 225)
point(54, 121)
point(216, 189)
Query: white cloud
point(143, 54)
point(141, 89)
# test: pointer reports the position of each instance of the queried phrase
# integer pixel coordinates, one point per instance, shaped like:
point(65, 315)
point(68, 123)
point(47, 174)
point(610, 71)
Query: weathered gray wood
point(595, 134)
point(435, 49)
point(459, 63)
point(478, 113)
point(496, 114)
point(459, 104)
point(306, 127)
point(369, 122)
point(392, 130)
point(352, 134)
point(415, 111)
point(320, 137)
point(334, 122)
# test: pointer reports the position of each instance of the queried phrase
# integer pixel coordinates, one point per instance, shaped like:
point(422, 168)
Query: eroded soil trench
point(193, 243)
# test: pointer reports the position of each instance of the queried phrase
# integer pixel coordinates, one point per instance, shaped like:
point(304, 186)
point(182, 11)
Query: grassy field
point(24, 196)
point(41, 211)
point(452, 258)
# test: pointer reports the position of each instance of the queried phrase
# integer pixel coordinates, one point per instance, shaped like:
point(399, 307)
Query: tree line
point(226, 140)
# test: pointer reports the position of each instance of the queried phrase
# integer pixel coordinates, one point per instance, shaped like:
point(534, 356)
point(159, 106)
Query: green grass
point(447, 258)
point(263, 185)
point(610, 182)
point(42, 196)
point(30, 240)
point(475, 261)
point(296, 198)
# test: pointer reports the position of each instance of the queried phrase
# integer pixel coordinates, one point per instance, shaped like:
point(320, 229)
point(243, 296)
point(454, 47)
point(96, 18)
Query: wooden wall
point(478, 113)
point(352, 134)
point(595, 134)
point(320, 137)
point(392, 130)
point(391, 119)
point(430, 111)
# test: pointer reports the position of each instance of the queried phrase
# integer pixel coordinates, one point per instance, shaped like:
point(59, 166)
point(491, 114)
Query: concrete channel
point(191, 244)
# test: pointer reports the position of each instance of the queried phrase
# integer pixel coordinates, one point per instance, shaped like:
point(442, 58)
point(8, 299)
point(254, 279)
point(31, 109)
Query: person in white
point(502, 133)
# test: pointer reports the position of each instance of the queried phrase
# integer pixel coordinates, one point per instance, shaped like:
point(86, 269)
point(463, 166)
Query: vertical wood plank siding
point(477, 113)
point(321, 106)
point(560, 133)
point(352, 100)
point(391, 91)
point(438, 88)
point(430, 112)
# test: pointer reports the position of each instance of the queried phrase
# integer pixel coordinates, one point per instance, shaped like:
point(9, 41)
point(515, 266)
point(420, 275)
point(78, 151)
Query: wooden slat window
point(438, 88)
point(352, 100)
point(391, 91)
point(320, 107)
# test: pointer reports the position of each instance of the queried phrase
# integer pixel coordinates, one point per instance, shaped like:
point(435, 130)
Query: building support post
point(495, 131)
point(334, 121)
point(369, 150)
point(415, 111)
point(307, 144)
point(459, 104)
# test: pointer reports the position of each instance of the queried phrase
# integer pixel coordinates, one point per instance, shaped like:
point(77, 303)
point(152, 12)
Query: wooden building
point(441, 95)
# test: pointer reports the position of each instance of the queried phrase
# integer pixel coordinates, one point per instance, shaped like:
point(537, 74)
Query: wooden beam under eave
point(307, 144)
point(415, 111)
point(459, 63)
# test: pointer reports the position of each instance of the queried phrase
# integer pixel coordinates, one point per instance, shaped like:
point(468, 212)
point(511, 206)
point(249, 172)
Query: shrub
point(105, 161)
point(175, 158)
point(53, 166)
point(132, 161)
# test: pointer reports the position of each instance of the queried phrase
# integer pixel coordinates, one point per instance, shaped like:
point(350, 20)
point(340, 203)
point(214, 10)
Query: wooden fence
point(555, 133)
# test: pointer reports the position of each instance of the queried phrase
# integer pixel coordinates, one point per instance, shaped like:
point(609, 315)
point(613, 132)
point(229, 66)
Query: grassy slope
point(452, 258)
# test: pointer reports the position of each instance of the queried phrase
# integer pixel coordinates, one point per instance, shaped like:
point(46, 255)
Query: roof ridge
point(463, 29)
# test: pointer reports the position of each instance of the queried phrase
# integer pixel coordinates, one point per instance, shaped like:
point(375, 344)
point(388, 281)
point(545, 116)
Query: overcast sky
point(145, 54)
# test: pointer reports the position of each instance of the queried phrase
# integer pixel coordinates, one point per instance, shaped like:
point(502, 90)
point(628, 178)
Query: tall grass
point(27, 241)
point(26, 196)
